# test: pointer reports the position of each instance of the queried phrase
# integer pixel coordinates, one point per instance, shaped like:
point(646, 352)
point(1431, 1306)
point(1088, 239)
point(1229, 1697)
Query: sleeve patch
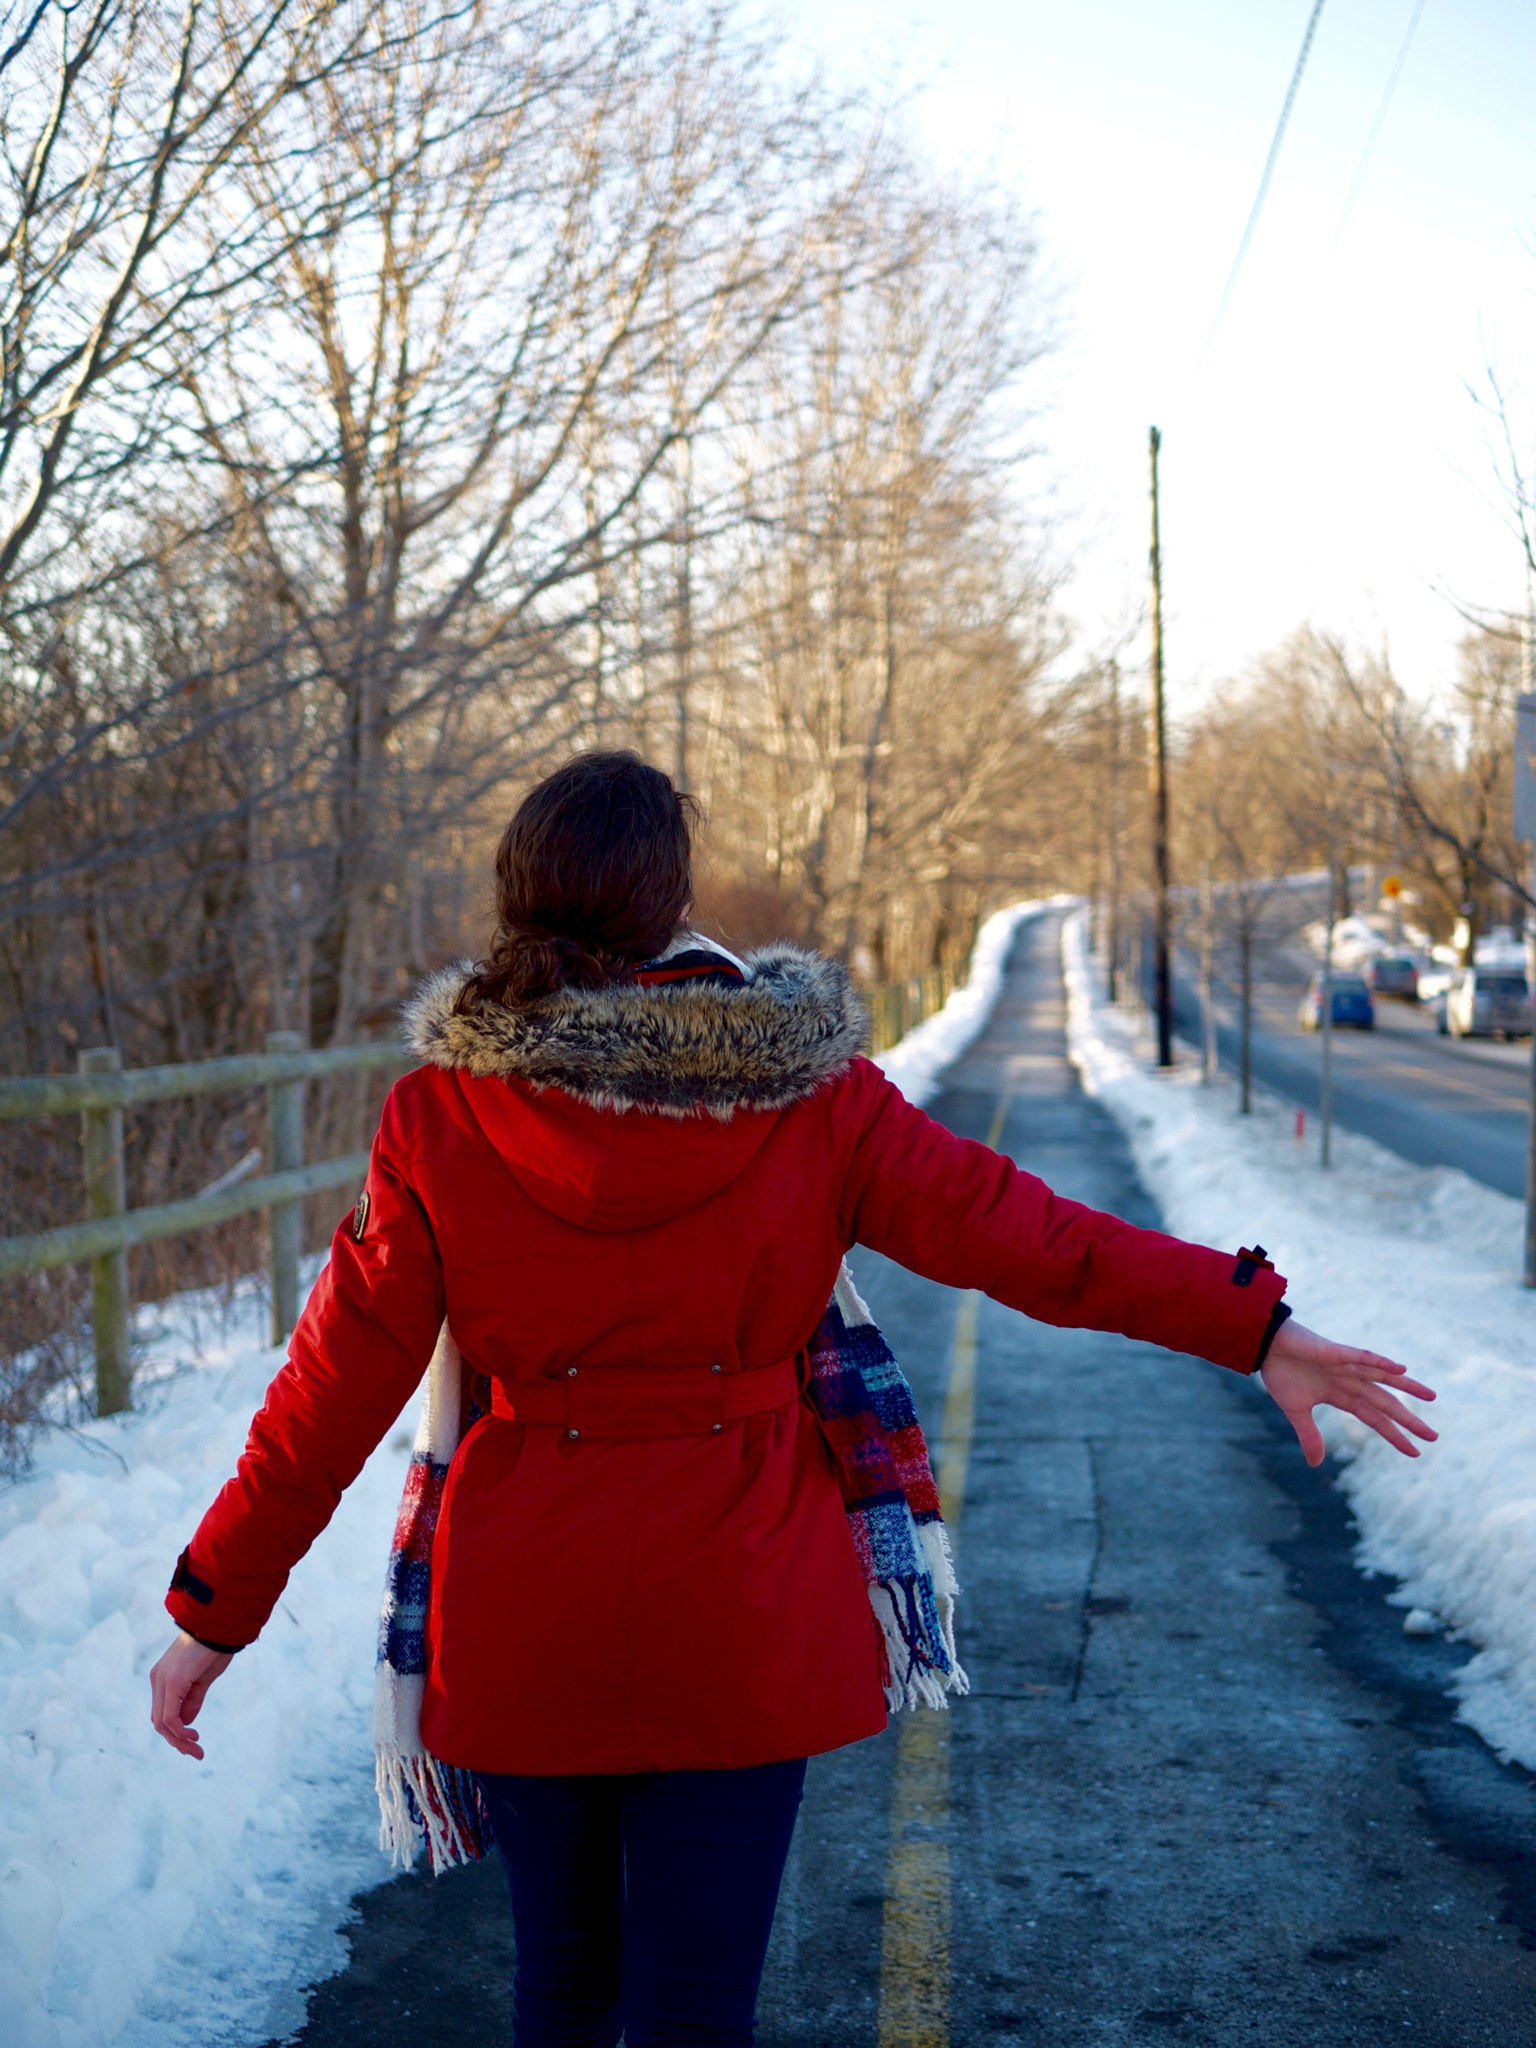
point(360, 1216)
point(185, 1580)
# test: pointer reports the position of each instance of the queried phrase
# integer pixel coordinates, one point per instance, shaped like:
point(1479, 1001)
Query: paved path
point(1204, 1791)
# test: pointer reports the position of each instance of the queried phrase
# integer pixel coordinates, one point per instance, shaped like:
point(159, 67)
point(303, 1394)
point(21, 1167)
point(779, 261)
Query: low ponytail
point(593, 875)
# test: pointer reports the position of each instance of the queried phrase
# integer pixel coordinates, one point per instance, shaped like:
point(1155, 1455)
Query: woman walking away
point(692, 1538)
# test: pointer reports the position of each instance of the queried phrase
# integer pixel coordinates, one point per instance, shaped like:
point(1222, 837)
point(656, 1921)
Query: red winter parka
point(640, 1178)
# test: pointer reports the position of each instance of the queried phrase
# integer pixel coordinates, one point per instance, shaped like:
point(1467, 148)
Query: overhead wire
point(1381, 115)
point(1268, 173)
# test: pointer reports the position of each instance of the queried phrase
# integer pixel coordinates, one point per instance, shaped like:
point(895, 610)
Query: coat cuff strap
point(1277, 1316)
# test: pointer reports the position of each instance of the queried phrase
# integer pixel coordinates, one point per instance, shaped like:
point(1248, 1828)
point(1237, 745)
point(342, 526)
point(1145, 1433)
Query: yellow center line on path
point(914, 1947)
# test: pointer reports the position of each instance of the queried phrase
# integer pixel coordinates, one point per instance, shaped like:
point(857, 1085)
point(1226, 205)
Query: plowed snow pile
point(1418, 1262)
point(145, 1898)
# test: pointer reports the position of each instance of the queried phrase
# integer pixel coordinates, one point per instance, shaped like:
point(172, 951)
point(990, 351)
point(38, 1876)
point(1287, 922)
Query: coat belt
point(647, 1400)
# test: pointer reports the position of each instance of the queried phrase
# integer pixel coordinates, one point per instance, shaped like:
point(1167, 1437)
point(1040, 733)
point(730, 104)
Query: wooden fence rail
point(101, 1091)
point(100, 1085)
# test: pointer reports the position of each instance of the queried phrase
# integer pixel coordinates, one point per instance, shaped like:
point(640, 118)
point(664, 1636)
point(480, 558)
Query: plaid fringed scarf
point(862, 1400)
point(421, 1799)
point(864, 1405)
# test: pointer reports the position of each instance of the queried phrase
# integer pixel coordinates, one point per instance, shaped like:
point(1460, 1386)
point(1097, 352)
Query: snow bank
point(915, 1062)
point(1420, 1263)
point(145, 1898)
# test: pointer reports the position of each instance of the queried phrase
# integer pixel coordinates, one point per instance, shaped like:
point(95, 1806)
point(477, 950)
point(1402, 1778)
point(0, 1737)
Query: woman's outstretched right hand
point(178, 1685)
point(1305, 1371)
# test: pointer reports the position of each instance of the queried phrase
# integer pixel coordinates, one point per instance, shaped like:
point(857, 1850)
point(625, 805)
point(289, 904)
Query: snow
point(1420, 1263)
point(915, 1062)
point(145, 1898)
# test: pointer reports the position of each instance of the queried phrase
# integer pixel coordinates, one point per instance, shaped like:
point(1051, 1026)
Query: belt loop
point(571, 1431)
point(718, 1377)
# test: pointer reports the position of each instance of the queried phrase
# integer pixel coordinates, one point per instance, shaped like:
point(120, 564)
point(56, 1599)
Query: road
point(1204, 1789)
point(1437, 1101)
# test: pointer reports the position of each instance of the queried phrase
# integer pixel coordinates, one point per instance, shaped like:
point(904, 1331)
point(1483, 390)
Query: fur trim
point(795, 1023)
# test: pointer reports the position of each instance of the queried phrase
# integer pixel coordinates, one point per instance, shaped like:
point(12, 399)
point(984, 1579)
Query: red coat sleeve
point(359, 1351)
point(958, 1212)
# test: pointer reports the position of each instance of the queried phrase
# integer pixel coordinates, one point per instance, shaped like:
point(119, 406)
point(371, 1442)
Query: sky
point(1323, 459)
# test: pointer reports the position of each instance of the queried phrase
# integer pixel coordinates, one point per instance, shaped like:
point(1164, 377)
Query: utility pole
point(1116, 833)
point(1207, 976)
point(1159, 777)
point(1530, 1140)
point(1327, 1017)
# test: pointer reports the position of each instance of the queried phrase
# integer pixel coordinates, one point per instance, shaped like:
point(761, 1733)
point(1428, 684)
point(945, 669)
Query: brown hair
point(593, 875)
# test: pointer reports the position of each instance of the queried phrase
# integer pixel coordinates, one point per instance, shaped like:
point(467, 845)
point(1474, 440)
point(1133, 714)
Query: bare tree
point(123, 127)
point(372, 591)
point(889, 636)
point(1449, 769)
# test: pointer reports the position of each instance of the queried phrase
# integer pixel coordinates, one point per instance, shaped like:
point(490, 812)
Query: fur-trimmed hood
point(794, 1023)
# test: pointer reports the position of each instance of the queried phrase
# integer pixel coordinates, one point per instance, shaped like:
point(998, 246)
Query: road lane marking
point(959, 1423)
point(915, 1929)
point(914, 1946)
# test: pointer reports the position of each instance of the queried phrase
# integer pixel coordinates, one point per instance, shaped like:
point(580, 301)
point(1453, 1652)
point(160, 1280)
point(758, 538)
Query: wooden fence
point(101, 1091)
point(897, 1007)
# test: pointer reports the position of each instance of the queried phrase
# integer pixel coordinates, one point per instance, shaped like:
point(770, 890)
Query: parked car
point(1487, 1002)
point(1395, 974)
point(1352, 1004)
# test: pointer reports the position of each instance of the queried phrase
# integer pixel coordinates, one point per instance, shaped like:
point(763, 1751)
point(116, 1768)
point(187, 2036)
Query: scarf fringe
point(917, 1629)
point(424, 1803)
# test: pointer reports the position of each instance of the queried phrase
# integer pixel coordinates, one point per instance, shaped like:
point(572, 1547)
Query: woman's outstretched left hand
point(1305, 1371)
point(178, 1685)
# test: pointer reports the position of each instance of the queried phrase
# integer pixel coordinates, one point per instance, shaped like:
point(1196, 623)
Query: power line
point(1381, 115)
point(1269, 166)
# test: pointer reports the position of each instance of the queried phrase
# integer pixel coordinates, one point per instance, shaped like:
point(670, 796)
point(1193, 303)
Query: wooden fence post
point(106, 1194)
point(285, 1130)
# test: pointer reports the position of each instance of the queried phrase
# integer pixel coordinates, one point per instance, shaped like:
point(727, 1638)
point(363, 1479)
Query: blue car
point(1352, 1004)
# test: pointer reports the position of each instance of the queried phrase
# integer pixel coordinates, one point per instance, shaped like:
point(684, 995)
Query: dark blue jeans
point(643, 1904)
